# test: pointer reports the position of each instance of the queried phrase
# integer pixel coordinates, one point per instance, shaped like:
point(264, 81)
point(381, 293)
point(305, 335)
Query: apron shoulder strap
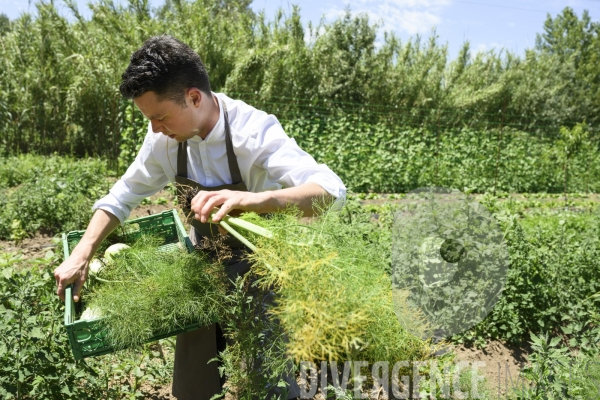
point(234, 169)
point(182, 160)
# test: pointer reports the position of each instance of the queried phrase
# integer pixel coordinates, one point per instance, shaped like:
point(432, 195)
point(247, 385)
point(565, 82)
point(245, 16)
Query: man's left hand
point(204, 203)
point(304, 197)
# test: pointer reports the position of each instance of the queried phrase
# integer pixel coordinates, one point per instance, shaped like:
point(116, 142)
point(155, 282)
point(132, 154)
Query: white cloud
point(481, 48)
point(485, 47)
point(410, 16)
point(334, 13)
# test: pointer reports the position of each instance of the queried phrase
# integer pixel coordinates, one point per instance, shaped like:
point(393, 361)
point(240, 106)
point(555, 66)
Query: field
point(544, 318)
point(517, 133)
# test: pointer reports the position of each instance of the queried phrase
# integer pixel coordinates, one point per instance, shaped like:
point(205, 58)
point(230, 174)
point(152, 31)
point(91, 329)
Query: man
point(237, 158)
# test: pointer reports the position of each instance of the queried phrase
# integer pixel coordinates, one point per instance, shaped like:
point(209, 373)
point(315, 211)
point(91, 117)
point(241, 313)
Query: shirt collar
point(217, 131)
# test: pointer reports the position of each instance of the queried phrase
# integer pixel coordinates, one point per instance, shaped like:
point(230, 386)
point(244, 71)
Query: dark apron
point(193, 376)
point(183, 183)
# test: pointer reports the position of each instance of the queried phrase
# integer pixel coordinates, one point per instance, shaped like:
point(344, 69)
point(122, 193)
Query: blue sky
point(486, 24)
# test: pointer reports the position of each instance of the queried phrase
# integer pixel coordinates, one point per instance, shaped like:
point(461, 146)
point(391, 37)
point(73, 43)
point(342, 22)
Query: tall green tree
point(59, 76)
point(575, 43)
point(568, 36)
point(4, 23)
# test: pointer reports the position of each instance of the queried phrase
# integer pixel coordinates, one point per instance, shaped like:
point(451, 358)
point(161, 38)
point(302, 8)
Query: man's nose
point(156, 127)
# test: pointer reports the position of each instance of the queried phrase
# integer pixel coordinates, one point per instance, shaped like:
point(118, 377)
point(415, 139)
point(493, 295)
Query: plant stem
point(242, 239)
point(249, 226)
point(107, 281)
point(19, 347)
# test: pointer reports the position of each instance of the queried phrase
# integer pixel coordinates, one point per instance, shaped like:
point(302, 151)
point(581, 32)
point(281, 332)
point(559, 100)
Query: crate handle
point(69, 305)
point(83, 335)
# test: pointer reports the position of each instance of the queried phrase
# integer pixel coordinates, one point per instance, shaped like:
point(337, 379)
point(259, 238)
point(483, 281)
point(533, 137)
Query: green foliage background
point(49, 194)
point(553, 272)
point(386, 118)
point(375, 157)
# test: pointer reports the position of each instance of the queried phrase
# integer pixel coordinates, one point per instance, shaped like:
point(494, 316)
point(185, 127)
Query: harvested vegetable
point(96, 265)
point(333, 286)
point(114, 249)
point(90, 314)
point(147, 290)
point(331, 279)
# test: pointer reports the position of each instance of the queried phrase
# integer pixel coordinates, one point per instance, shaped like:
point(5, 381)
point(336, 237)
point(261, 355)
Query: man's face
point(169, 118)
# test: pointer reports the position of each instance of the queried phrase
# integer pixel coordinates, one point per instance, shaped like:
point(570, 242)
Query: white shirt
point(267, 157)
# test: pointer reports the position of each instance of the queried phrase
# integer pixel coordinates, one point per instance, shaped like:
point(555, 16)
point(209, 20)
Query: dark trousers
point(194, 378)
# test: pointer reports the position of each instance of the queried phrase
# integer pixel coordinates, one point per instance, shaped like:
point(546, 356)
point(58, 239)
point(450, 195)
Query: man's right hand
point(73, 270)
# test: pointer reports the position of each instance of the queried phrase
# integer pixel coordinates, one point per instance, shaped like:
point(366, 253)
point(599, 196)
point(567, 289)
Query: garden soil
point(503, 363)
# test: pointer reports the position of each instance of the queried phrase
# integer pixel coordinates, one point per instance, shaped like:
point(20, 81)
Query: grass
point(591, 382)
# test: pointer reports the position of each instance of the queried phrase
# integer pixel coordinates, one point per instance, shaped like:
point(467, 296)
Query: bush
point(554, 269)
point(379, 157)
point(18, 169)
point(52, 193)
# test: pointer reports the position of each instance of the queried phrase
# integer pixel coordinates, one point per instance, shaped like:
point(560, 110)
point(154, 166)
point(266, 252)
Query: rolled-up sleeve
point(286, 163)
point(144, 177)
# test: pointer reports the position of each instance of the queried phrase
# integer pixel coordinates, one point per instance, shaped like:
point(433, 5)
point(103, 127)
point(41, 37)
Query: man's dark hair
point(165, 66)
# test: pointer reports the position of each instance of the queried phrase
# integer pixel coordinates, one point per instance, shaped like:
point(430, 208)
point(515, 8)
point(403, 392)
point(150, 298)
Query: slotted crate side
point(87, 338)
point(166, 225)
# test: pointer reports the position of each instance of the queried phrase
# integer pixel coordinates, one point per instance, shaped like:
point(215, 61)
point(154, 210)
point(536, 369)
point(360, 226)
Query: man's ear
point(195, 96)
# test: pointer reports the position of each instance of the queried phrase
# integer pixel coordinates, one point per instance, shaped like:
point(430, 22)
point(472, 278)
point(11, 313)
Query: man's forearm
point(310, 198)
point(100, 226)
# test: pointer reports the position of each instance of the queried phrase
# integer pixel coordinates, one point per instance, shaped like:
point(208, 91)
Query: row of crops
point(55, 193)
point(554, 272)
point(382, 158)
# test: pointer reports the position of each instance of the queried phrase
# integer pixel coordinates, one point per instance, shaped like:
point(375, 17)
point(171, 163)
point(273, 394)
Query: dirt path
point(502, 363)
point(34, 247)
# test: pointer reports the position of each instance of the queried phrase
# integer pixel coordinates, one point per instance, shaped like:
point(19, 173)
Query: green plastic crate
point(86, 338)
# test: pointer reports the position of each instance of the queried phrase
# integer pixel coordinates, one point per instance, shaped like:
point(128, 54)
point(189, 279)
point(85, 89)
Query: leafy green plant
point(590, 377)
point(556, 373)
point(146, 289)
point(465, 382)
point(571, 140)
point(19, 169)
point(546, 374)
point(8, 259)
point(255, 357)
point(52, 194)
point(548, 251)
point(35, 356)
point(132, 136)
